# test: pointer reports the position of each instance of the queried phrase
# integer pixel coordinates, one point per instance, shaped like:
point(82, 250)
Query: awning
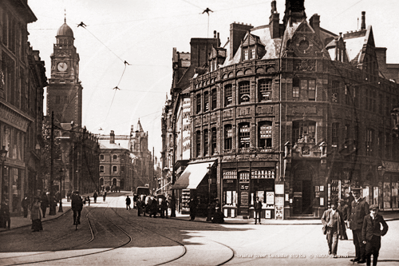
point(192, 176)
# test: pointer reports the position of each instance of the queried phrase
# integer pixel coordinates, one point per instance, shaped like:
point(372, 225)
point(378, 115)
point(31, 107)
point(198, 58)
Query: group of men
point(365, 223)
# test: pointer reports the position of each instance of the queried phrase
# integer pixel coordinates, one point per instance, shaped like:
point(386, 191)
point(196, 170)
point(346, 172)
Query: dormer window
point(246, 54)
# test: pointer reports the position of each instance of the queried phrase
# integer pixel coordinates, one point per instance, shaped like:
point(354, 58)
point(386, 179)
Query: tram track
point(93, 237)
point(185, 250)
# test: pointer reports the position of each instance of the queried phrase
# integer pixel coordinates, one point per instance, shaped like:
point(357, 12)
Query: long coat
point(35, 211)
point(372, 227)
point(358, 211)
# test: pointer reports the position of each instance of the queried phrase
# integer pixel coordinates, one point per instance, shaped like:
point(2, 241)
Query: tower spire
point(64, 15)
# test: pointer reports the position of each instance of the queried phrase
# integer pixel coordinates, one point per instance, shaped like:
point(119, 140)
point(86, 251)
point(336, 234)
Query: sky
point(144, 33)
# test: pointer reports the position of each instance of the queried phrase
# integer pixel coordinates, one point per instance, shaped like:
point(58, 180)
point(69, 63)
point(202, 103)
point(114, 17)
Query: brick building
point(22, 80)
point(289, 112)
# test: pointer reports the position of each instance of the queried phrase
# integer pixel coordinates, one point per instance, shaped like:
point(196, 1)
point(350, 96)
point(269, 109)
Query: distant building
point(22, 81)
point(138, 166)
point(289, 112)
point(80, 165)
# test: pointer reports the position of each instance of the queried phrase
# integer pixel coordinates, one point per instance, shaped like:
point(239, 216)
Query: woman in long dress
point(36, 215)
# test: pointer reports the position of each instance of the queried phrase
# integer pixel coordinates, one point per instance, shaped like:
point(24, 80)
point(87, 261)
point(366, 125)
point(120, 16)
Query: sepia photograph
point(214, 132)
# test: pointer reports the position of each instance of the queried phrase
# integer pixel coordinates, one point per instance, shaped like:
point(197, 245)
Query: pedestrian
point(128, 202)
point(88, 200)
point(258, 209)
point(211, 210)
point(5, 215)
point(218, 216)
point(153, 207)
point(371, 233)
point(193, 208)
point(77, 206)
point(36, 215)
point(139, 207)
point(69, 195)
point(360, 208)
point(95, 195)
point(332, 222)
point(25, 206)
point(104, 195)
point(43, 204)
point(134, 201)
point(164, 207)
point(147, 205)
point(343, 211)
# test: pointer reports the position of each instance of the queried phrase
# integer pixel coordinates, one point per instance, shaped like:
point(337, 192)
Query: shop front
point(389, 186)
point(242, 183)
point(197, 181)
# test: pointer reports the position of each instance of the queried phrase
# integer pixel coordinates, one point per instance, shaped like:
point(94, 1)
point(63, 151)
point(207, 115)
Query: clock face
point(62, 66)
point(304, 46)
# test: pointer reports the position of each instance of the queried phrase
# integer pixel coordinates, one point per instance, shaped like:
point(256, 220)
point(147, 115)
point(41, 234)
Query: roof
point(65, 30)
point(106, 145)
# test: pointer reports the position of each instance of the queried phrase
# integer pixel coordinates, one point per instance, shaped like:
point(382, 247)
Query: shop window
point(228, 137)
point(101, 168)
point(228, 95)
point(369, 142)
point(206, 101)
point(265, 135)
point(198, 100)
point(244, 136)
point(198, 143)
point(265, 90)
point(229, 187)
point(213, 140)
point(304, 131)
point(206, 142)
point(244, 91)
point(214, 99)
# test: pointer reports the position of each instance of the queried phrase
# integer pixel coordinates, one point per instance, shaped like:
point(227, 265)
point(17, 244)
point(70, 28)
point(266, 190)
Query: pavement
point(20, 221)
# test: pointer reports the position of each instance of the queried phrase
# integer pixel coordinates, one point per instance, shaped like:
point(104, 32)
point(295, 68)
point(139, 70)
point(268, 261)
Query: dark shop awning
point(192, 176)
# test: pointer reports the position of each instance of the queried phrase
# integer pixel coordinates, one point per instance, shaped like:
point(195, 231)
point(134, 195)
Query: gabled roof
point(106, 145)
point(355, 42)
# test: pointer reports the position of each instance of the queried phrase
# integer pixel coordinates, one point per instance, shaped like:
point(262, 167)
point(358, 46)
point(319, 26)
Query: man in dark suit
point(360, 208)
point(258, 209)
point(372, 233)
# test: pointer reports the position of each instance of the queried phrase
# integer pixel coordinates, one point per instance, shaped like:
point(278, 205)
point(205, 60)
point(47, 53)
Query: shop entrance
point(302, 188)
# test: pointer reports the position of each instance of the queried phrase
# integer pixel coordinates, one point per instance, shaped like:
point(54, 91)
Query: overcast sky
point(144, 33)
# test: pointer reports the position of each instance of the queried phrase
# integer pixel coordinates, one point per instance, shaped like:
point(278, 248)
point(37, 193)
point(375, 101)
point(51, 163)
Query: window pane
point(312, 90)
point(228, 99)
point(265, 89)
point(244, 91)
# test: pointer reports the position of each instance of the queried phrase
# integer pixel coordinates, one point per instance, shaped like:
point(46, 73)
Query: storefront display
point(185, 199)
point(387, 195)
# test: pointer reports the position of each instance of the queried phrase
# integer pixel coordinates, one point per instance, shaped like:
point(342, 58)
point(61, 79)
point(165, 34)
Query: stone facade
point(295, 115)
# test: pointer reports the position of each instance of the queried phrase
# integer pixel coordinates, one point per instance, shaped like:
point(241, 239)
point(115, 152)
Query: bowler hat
point(356, 189)
point(373, 207)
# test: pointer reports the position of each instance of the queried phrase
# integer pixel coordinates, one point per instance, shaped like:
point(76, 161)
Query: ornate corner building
point(22, 81)
point(288, 112)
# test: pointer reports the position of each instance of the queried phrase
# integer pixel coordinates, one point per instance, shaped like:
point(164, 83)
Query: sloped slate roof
point(105, 145)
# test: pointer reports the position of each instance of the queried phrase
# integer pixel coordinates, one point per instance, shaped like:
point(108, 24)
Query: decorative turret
point(294, 11)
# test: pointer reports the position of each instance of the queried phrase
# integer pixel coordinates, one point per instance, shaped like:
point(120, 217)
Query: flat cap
point(373, 207)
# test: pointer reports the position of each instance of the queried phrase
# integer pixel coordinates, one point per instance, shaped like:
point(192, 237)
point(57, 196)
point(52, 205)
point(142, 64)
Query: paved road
point(111, 235)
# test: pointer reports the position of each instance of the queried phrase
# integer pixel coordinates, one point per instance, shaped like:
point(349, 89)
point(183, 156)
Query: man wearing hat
point(371, 233)
point(77, 206)
point(360, 208)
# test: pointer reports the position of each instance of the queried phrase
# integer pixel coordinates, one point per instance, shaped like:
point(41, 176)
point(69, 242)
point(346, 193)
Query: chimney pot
point(363, 25)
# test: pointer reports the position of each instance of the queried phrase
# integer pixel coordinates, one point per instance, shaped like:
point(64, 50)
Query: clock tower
point(64, 92)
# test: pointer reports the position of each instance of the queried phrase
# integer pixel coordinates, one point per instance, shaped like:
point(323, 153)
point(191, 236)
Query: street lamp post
point(209, 183)
point(3, 154)
point(60, 207)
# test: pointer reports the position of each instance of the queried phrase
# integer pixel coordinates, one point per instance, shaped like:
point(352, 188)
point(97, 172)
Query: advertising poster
point(270, 197)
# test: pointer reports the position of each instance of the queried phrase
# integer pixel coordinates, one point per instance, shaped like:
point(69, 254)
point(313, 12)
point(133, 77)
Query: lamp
point(61, 175)
point(209, 183)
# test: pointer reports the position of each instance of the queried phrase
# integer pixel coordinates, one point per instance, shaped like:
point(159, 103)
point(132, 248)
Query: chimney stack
point(112, 137)
point(363, 25)
point(274, 22)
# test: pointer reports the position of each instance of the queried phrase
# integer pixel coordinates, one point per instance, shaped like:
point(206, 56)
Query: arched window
point(115, 169)
point(228, 96)
point(101, 168)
